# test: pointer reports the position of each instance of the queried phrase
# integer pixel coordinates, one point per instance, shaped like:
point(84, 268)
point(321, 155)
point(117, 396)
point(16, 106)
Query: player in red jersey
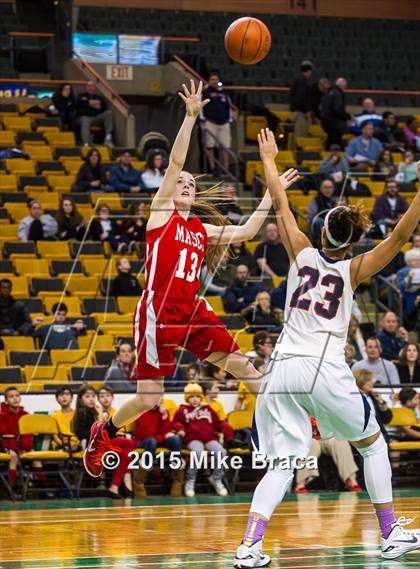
point(168, 313)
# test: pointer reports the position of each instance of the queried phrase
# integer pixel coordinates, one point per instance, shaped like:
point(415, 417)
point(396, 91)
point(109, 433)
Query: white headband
point(331, 239)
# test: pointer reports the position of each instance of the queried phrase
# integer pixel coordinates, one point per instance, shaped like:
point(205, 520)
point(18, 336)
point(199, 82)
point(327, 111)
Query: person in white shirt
point(153, 172)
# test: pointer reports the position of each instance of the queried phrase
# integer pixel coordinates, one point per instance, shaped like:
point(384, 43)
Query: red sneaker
point(355, 488)
point(98, 444)
point(302, 490)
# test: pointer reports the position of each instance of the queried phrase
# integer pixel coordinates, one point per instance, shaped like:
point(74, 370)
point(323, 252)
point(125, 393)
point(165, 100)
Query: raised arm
point(293, 239)
point(368, 264)
point(162, 205)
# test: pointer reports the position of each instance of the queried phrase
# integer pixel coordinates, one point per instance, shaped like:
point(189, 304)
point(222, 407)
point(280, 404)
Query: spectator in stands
point(219, 375)
point(125, 283)
point(389, 134)
point(410, 133)
point(260, 315)
point(64, 417)
point(85, 415)
point(409, 398)
point(192, 373)
point(333, 114)
point(211, 392)
point(389, 207)
point(124, 177)
point(319, 207)
point(230, 208)
point(105, 229)
point(58, 335)
point(121, 369)
point(365, 381)
point(334, 167)
point(364, 149)
point(300, 98)
point(263, 346)
point(105, 401)
point(92, 110)
point(384, 372)
point(217, 116)
point(368, 113)
point(218, 281)
point(384, 167)
point(201, 429)
point(350, 355)
point(153, 172)
point(134, 226)
point(15, 319)
point(270, 255)
point(408, 364)
point(241, 292)
point(355, 339)
point(408, 282)
point(245, 400)
point(407, 170)
point(37, 226)
point(393, 337)
point(92, 176)
point(71, 224)
point(241, 256)
point(64, 106)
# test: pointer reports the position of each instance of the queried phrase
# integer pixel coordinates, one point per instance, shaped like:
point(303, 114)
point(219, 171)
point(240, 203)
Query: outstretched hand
point(288, 178)
point(192, 98)
point(267, 144)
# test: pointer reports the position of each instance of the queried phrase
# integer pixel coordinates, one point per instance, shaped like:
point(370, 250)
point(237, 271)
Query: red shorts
point(163, 324)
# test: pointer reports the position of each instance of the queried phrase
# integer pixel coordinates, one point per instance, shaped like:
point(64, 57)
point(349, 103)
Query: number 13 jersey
point(318, 306)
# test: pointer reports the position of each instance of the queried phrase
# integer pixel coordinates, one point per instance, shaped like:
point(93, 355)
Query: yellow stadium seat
point(32, 267)
point(96, 342)
point(216, 303)
point(22, 124)
point(53, 249)
point(112, 199)
point(97, 267)
point(310, 143)
point(56, 374)
point(113, 318)
point(244, 340)
point(61, 139)
point(367, 202)
point(20, 166)
point(377, 188)
point(127, 304)
point(284, 116)
point(277, 281)
point(253, 125)
point(8, 231)
point(317, 131)
point(20, 287)
point(72, 166)
point(7, 138)
point(38, 152)
point(240, 420)
point(18, 343)
point(82, 286)
point(2, 360)
point(17, 211)
point(252, 245)
point(72, 303)
point(46, 129)
point(63, 357)
point(103, 151)
point(402, 417)
point(60, 182)
point(285, 157)
point(8, 182)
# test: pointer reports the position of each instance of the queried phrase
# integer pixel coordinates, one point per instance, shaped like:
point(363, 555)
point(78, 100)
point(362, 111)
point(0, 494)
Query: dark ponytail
point(347, 220)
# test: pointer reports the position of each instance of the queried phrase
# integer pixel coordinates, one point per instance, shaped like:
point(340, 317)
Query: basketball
point(247, 40)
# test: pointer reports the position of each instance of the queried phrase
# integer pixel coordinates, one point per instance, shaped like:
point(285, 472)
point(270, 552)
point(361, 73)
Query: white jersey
point(318, 307)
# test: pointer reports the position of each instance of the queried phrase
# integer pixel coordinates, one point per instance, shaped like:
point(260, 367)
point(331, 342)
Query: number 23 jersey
point(318, 306)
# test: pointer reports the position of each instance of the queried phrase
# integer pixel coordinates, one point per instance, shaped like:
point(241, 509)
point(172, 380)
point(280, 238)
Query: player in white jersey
point(308, 374)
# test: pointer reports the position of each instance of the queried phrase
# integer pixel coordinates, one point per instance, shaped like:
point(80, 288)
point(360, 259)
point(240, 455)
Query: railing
point(393, 294)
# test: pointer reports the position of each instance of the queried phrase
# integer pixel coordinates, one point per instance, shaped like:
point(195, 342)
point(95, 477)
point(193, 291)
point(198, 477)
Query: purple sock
point(254, 530)
point(386, 518)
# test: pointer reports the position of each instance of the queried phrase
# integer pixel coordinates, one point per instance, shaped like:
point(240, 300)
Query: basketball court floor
point(312, 531)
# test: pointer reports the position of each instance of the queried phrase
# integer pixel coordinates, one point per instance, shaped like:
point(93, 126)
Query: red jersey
point(9, 425)
point(174, 254)
point(200, 424)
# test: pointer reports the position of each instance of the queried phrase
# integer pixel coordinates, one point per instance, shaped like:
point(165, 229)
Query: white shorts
point(220, 131)
point(295, 388)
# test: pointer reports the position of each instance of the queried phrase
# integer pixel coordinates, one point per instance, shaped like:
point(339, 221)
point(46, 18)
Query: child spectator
point(125, 283)
point(64, 417)
point(71, 224)
point(409, 398)
point(58, 335)
point(153, 172)
point(91, 176)
point(215, 373)
point(407, 170)
point(408, 364)
point(85, 415)
point(134, 226)
point(192, 373)
point(263, 346)
point(202, 429)
point(106, 398)
point(211, 392)
point(104, 228)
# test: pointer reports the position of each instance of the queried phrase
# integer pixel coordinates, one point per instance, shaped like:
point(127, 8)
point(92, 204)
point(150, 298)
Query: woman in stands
point(64, 106)
point(71, 224)
point(92, 174)
point(168, 313)
point(154, 170)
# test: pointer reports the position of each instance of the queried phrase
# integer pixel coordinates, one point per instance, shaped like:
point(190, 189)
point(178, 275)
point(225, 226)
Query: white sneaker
point(108, 141)
point(189, 489)
point(218, 486)
point(400, 540)
point(251, 556)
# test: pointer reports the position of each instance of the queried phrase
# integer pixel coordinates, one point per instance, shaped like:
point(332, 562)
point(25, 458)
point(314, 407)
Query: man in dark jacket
point(124, 177)
point(15, 318)
point(301, 99)
point(241, 293)
point(125, 284)
point(58, 335)
point(389, 134)
point(389, 207)
point(92, 110)
point(333, 112)
point(393, 337)
point(270, 255)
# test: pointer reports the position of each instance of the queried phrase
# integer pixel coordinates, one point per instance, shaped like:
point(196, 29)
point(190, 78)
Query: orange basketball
point(247, 40)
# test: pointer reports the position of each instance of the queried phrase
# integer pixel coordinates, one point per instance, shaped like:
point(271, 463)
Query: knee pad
point(378, 447)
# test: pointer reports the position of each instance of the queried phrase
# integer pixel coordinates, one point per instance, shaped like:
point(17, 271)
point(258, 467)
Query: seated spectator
point(364, 149)
point(192, 373)
point(104, 228)
point(105, 400)
point(218, 281)
point(85, 415)
point(154, 429)
point(339, 451)
point(71, 224)
point(409, 398)
point(241, 256)
point(260, 315)
point(263, 346)
point(121, 369)
point(407, 170)
point(408, 364)
point(334, 167)
point(319, 207)
point(201, 429)
point(64, 106)
point(211, 392)
point(270, 255)
point(58, 335)
point(368, 113)
point(389, 134)
point(125, 283)
point(214, 373)
point(64, 417)
point(37, 226)
point(410, 133)
point(134, 226)
point(356, 340)
point(15, 319)
point(389, 207)
point(383, 371)
point(92, 176)
point(393, 337)
point(153, 172)
point(123, 177)
point(350, 355)
point(384, 166)
point(408, 282)
point(92, 110)
point(241, 293)
point(365, 382)
point(230, 208)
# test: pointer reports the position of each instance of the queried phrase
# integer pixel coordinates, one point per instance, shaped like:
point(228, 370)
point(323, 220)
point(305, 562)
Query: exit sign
point(119, 72)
